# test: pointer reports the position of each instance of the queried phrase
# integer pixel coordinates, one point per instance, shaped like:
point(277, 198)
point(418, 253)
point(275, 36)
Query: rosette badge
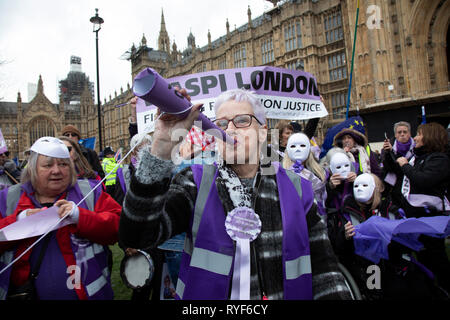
point(243, 223)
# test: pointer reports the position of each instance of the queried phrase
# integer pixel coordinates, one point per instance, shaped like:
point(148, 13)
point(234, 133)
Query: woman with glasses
point(244, 221)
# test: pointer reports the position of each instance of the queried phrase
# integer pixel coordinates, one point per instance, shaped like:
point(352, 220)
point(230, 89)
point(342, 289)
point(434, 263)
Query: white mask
point(51, 147)
point(363, 187)
point(340, 163)
point(298, 147)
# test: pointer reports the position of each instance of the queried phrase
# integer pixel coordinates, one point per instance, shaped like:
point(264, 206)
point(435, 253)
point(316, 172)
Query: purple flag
point(373, 236)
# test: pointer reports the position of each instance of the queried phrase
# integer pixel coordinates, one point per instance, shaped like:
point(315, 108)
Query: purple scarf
point(134, 161)
point(403, 148)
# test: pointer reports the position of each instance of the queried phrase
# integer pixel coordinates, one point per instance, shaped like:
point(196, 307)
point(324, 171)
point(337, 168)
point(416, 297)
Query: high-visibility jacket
point(109, 165)
point(368, 155)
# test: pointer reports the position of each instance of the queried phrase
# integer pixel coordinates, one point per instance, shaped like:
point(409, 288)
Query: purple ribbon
point(241, 271)
point(242, 225)
point(298, 166)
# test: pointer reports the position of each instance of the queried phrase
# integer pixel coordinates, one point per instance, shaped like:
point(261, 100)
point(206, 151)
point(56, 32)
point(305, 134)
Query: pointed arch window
point(41, 127)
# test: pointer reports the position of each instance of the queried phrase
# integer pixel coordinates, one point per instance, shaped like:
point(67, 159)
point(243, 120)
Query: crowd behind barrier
point(183, 212)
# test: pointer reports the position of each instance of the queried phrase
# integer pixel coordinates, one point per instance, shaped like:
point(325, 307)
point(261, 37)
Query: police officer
point(109, 167)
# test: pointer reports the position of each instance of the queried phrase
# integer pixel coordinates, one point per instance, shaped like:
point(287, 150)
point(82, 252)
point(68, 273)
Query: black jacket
point(429, 176)
point(119, 195)
point(391, 286)
point(156, 207)
point(9, 173)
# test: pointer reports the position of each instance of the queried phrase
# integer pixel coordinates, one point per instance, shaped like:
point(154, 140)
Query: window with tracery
point(41, 127)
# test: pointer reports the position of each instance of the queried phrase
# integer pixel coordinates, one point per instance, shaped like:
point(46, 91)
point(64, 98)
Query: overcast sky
point(37, 37)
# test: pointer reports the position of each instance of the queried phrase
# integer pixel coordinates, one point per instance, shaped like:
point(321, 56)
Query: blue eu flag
point(88, 142)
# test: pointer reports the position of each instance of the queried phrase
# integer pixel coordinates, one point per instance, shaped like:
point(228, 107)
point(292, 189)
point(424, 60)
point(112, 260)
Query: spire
point(191, 40)
point(163, 23)
point(249, 14)
point(174, 51)
point(228, 28)
point(163, 39)
point(143, 41)
point(40, 88)
point(209, 38)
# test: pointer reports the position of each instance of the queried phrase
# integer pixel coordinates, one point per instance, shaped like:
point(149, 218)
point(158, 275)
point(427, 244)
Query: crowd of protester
point(308, 210)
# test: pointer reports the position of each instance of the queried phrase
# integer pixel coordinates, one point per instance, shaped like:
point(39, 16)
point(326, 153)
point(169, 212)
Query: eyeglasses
point(70, 134)
point(69, 148)
point(240, 121)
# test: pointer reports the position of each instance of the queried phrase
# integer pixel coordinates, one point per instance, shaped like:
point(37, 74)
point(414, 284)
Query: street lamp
point(97, 22)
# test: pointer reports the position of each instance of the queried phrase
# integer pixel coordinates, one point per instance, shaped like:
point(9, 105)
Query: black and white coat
point(157, 207)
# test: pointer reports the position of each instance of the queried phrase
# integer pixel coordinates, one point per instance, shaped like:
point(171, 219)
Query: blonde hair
point(376, 197)
point(310, 163)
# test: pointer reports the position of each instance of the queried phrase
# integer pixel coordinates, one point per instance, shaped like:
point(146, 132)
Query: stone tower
point(163, 39)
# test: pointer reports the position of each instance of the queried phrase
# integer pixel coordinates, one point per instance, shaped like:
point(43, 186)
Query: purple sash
point(122, 180)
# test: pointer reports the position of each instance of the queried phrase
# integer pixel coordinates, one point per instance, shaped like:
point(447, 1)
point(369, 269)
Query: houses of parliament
point(401, 62)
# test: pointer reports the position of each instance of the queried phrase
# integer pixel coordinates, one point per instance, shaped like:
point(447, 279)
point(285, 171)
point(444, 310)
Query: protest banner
point(284, 94)
point(3, 147)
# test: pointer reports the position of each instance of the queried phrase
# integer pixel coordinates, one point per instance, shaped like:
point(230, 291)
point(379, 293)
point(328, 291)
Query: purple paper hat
point(150, 86)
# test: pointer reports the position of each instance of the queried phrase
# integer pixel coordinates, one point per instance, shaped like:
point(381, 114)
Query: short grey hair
point(30, 171)
point(241, 95)
point(402, 124)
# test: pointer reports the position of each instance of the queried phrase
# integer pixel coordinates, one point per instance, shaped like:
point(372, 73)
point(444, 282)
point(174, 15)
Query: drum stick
point(9, 175)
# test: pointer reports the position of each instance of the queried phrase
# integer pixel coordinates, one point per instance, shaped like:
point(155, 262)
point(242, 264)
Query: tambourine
point(137, 270)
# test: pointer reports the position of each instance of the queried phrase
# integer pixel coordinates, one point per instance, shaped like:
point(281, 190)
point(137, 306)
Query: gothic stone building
point(23, 123)
point(401, 62)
